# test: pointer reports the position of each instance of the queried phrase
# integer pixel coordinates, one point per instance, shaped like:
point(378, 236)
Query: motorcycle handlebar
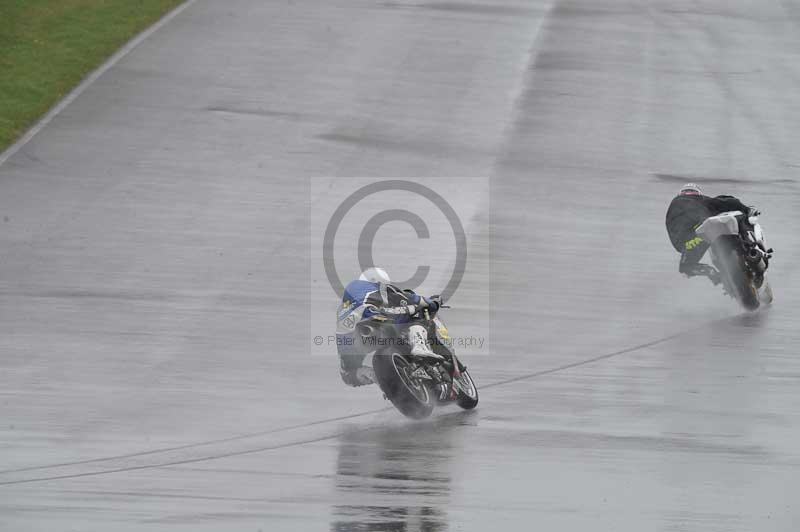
point(419, 309)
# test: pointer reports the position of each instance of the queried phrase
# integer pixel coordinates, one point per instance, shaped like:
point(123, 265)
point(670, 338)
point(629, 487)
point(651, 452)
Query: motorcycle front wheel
point(467, 397)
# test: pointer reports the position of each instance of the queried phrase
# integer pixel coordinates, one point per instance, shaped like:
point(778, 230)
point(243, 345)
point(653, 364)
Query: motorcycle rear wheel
point(745, 289)
point(738, 284)
point(408, 394)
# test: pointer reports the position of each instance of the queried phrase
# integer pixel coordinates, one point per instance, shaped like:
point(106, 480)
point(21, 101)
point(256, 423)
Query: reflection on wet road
point(398, 479)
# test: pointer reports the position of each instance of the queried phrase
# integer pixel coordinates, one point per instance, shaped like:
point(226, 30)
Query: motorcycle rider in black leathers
point(688, 210)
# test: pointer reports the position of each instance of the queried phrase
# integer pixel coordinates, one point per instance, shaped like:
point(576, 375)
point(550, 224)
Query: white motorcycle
point(739, 253)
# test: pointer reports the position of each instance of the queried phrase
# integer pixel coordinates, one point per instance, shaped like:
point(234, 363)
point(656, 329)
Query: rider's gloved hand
point(413, 309)
point(436, 301)
point(422, 305)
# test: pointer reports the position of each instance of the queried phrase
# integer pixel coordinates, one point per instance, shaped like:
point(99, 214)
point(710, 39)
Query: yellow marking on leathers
point(693, 243)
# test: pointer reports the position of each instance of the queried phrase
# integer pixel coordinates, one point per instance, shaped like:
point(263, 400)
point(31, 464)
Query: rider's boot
point(700, 269)
point(420, 346)
point(359, 376)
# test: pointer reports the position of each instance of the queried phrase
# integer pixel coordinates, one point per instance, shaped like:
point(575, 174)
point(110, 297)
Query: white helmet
point(375, 275)
point(691, 189)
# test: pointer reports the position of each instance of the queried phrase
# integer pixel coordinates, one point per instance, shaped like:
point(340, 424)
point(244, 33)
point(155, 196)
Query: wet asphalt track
point(153, 240)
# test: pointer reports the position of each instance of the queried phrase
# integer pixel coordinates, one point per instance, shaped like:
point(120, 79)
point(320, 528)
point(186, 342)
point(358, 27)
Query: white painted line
point(88, 80)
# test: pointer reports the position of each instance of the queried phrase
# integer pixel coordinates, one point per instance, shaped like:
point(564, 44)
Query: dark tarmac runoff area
point(159, 235)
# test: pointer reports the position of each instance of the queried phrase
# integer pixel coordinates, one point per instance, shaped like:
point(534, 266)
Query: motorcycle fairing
point(442, 335)
point(723, 224)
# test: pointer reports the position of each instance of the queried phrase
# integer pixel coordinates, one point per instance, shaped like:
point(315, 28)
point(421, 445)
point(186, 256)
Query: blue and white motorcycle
point(416, 384)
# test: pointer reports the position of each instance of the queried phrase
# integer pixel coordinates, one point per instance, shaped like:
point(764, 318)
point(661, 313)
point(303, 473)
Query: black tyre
point(467, 391)
point(745, 289)
point(408, 394)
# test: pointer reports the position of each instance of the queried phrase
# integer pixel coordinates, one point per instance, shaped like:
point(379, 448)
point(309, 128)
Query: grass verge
point(48, 46)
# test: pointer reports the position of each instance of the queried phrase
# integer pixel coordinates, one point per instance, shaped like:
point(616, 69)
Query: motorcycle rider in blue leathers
point(372, 294)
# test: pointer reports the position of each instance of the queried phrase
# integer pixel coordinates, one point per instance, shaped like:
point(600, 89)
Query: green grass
point(48, 46)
